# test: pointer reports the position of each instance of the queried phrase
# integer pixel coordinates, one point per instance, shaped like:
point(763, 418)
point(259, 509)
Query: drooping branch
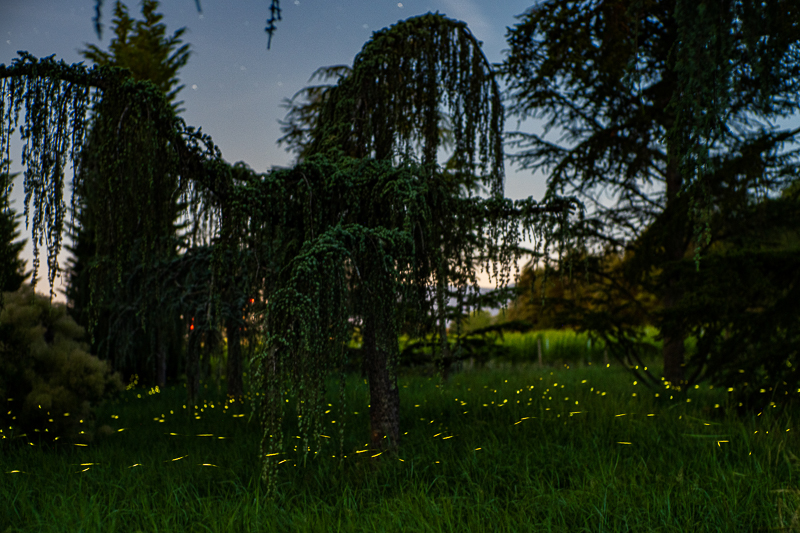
point(137, 119)
point(393, 102)
point(331, 238)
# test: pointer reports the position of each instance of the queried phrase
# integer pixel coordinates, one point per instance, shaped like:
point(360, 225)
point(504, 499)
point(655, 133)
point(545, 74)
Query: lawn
point(568, 448)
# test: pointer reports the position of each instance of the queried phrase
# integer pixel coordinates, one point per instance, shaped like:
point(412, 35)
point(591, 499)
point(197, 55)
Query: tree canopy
point(336, 236)
point(668, 94)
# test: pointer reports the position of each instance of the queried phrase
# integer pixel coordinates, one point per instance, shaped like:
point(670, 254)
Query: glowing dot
point(399, 4)
point(194, 88)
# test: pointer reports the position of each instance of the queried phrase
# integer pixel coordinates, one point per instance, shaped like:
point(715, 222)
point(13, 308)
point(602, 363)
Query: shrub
point(49, 383)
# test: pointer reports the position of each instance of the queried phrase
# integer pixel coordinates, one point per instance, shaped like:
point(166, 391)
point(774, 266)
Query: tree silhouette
point(274, 16)
point(656, 93)
point(142, 47)
point(12, 267)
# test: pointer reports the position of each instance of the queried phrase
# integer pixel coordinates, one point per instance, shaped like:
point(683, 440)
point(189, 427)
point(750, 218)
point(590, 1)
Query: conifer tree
point(274, 16)
point(12, 267)
point(656, 93)
point(142, 47)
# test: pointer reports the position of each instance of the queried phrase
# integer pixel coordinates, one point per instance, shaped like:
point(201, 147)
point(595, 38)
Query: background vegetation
point(624, 388)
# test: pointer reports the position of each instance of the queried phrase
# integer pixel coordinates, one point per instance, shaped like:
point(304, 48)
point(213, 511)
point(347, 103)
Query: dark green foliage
point(304, 110)
point(656, 93)
point(49, 383)
point(749, 315)
point(120, 334)
point(78, 274)
point(744, 305)
point(740, 60)
point(389, 105)
point(142, 47)
point(184, 285)
point(57, 131)
point(333, 238)
point(549, 296)
point(479, 347)
point(12, 268)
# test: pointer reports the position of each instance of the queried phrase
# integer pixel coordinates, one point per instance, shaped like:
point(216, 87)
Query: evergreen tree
point(274, 16)
point(12, 267)
point(142, 47)
point(392, 121)
point(655, 92)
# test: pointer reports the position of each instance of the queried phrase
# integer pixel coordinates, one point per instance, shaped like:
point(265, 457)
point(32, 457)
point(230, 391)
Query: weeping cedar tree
point(142, 47)
point(386, 110)
point(668, 93)
point(336, 236)
point(397, 115)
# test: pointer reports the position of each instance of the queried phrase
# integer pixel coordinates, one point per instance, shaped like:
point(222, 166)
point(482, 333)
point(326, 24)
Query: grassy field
point(503, 449)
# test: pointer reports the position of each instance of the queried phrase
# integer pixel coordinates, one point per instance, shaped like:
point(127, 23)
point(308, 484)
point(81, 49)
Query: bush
point(49, 383)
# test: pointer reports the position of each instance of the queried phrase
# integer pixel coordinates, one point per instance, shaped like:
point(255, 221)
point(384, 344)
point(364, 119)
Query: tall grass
point(559, 347)
point(524, 449)
point(565, 346)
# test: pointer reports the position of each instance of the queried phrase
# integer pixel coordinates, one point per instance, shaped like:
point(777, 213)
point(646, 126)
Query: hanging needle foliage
point(367, 227)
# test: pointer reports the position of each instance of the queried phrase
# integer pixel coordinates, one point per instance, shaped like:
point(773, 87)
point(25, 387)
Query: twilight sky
point(234, 86)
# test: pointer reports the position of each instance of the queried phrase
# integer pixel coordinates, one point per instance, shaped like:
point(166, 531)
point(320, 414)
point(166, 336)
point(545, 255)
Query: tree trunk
point(384, 396)
point(234, 368)
point(440, 303)
point(192, 368)
point(673, 350)
point(205, 356)
point(539, 344)
point(161, 359)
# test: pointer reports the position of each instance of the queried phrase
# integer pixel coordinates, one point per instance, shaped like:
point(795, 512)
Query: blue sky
point(234, 85)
